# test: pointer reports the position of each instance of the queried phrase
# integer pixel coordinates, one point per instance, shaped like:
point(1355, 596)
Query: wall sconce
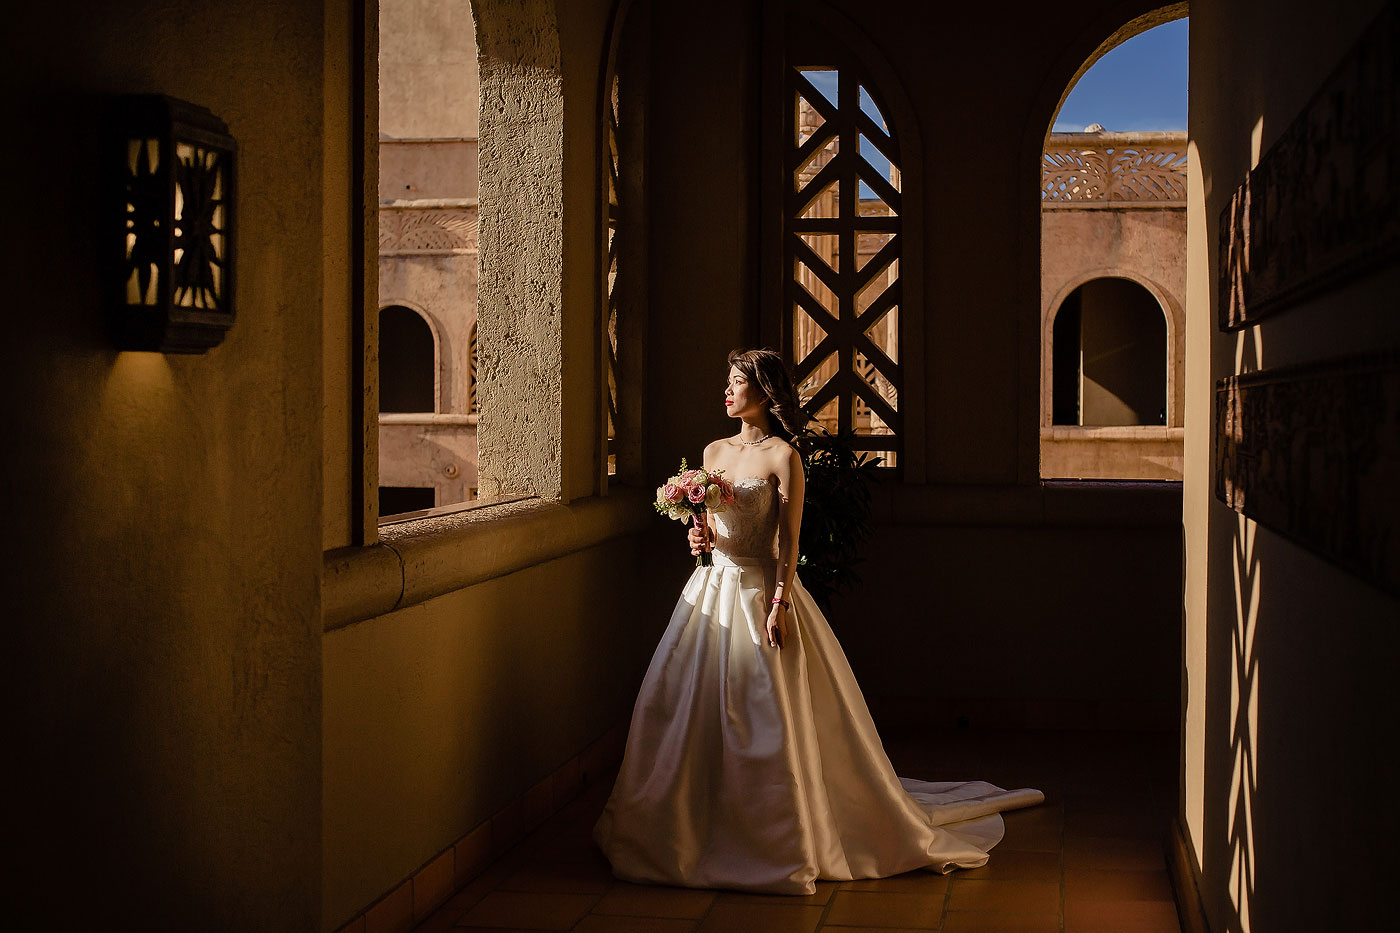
point(172, 198)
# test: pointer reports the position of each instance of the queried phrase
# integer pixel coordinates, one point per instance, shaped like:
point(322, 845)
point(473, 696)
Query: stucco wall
point(427, 56)
point(1289, 661)
point(164, 656)
point(1144, 245)
point(440, 714)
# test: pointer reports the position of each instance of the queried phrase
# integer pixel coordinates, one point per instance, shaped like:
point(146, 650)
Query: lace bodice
point(749, 527)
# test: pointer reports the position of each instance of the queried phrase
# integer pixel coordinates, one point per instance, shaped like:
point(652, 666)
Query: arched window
point(623, 243)
point(842, 245)
point(407, 367)
point(612, 221)
point(1110, 356)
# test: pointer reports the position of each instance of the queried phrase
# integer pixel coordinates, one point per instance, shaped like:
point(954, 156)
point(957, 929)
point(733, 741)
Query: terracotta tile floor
point(1089, 859)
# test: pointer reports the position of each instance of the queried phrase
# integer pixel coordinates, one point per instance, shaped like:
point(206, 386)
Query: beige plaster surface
point(440, 714)
point(1289, 662)
point(340, 460)
point(1146, 246)
point(1137, 452)
point(165, 648)
point(427, 451)
point(427, 55)
point(431, 168)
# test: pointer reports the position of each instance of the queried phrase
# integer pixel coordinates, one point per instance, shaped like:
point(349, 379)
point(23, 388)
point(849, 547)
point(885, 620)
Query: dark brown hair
point(766, 369)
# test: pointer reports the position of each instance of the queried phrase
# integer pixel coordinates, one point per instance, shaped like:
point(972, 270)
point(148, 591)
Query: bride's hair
point(766, 369)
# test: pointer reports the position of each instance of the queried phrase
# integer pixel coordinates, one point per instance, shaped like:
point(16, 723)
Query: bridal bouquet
point(690, 494)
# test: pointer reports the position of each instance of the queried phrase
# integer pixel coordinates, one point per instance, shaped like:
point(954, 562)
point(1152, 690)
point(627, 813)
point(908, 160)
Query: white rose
point(712, 496)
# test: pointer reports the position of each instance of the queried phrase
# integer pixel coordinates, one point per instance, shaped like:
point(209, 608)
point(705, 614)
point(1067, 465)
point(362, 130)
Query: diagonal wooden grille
point(842, 245)
point(611, 186)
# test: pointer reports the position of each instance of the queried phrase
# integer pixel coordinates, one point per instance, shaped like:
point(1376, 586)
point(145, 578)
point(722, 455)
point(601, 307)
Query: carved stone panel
point(1314, 453)
point(1086, 167)
point(1324, 202)
point(435, 230)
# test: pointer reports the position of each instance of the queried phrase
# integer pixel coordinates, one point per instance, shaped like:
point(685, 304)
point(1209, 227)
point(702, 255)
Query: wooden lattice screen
point(611, 185)
point(842, 244)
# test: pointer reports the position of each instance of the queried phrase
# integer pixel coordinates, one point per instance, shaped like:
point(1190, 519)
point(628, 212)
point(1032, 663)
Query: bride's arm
point(791, 491)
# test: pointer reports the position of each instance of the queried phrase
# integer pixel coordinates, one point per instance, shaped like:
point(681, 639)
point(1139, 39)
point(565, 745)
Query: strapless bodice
point(749, 527)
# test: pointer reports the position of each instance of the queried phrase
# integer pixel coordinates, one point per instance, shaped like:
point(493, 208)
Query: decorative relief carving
point(1314, 453)
point(1073, 171)
point(1324, 202)
point(432, 230)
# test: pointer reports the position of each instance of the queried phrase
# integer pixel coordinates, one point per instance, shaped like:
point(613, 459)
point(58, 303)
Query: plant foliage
point(835, 513)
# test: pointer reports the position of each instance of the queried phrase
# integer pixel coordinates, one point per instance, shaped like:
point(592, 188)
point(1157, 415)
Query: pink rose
point(697, 494)
point(672, 493)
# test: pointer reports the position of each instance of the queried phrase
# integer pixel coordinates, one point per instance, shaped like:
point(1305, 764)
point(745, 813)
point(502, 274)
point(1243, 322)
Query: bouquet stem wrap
point(705, 558)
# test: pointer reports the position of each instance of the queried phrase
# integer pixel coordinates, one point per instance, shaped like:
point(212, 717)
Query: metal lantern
point(173, 193)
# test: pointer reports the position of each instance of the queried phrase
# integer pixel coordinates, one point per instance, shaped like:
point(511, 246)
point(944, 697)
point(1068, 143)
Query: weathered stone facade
point(428, 229)
point(1114, 207)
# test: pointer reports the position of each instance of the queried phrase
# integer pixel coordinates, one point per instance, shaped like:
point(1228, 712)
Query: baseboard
point(1186, 887)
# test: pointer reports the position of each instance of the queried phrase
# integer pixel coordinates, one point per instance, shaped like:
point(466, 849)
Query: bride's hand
point(777, 626)
point(697, 536)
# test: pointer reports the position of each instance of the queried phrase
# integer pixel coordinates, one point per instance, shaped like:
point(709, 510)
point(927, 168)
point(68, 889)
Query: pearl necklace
point(755, 443)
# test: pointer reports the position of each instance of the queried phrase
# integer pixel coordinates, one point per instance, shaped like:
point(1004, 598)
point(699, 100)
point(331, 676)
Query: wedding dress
point(760, 769)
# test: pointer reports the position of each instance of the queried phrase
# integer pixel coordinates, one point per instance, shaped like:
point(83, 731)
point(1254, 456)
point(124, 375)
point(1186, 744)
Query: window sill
point(417, 560)
point(1125, 432)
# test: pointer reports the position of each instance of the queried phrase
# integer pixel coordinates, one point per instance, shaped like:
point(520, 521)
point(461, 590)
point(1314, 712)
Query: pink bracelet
point(779, 601)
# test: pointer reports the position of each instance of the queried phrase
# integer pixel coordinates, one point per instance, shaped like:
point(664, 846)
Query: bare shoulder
point(785, 458)
point(715, 453)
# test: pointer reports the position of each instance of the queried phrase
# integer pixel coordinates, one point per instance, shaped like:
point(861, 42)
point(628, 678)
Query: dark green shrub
point(835, 513)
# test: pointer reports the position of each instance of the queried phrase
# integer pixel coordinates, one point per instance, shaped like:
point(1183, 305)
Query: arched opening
point(406, 361)
point(1113, 260)
point(848, 157)
point(1110, 356)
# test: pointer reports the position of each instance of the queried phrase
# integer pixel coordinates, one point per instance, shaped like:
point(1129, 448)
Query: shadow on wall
point(1244, 720)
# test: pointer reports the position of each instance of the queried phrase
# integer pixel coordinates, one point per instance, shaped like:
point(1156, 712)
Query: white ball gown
point(759, 769)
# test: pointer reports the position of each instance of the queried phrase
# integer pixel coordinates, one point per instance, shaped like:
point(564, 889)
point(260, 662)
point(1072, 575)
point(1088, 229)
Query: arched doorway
point(407, 368)
point(1110, 356)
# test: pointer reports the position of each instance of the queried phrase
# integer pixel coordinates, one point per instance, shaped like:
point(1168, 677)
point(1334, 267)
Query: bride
point(752, 762)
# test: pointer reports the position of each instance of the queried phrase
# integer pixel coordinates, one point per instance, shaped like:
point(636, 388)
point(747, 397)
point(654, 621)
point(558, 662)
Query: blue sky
point(1139, 85)
point(825, 82)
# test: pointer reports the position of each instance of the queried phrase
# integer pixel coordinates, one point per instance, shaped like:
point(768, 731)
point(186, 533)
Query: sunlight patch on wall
point(1244, 720)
